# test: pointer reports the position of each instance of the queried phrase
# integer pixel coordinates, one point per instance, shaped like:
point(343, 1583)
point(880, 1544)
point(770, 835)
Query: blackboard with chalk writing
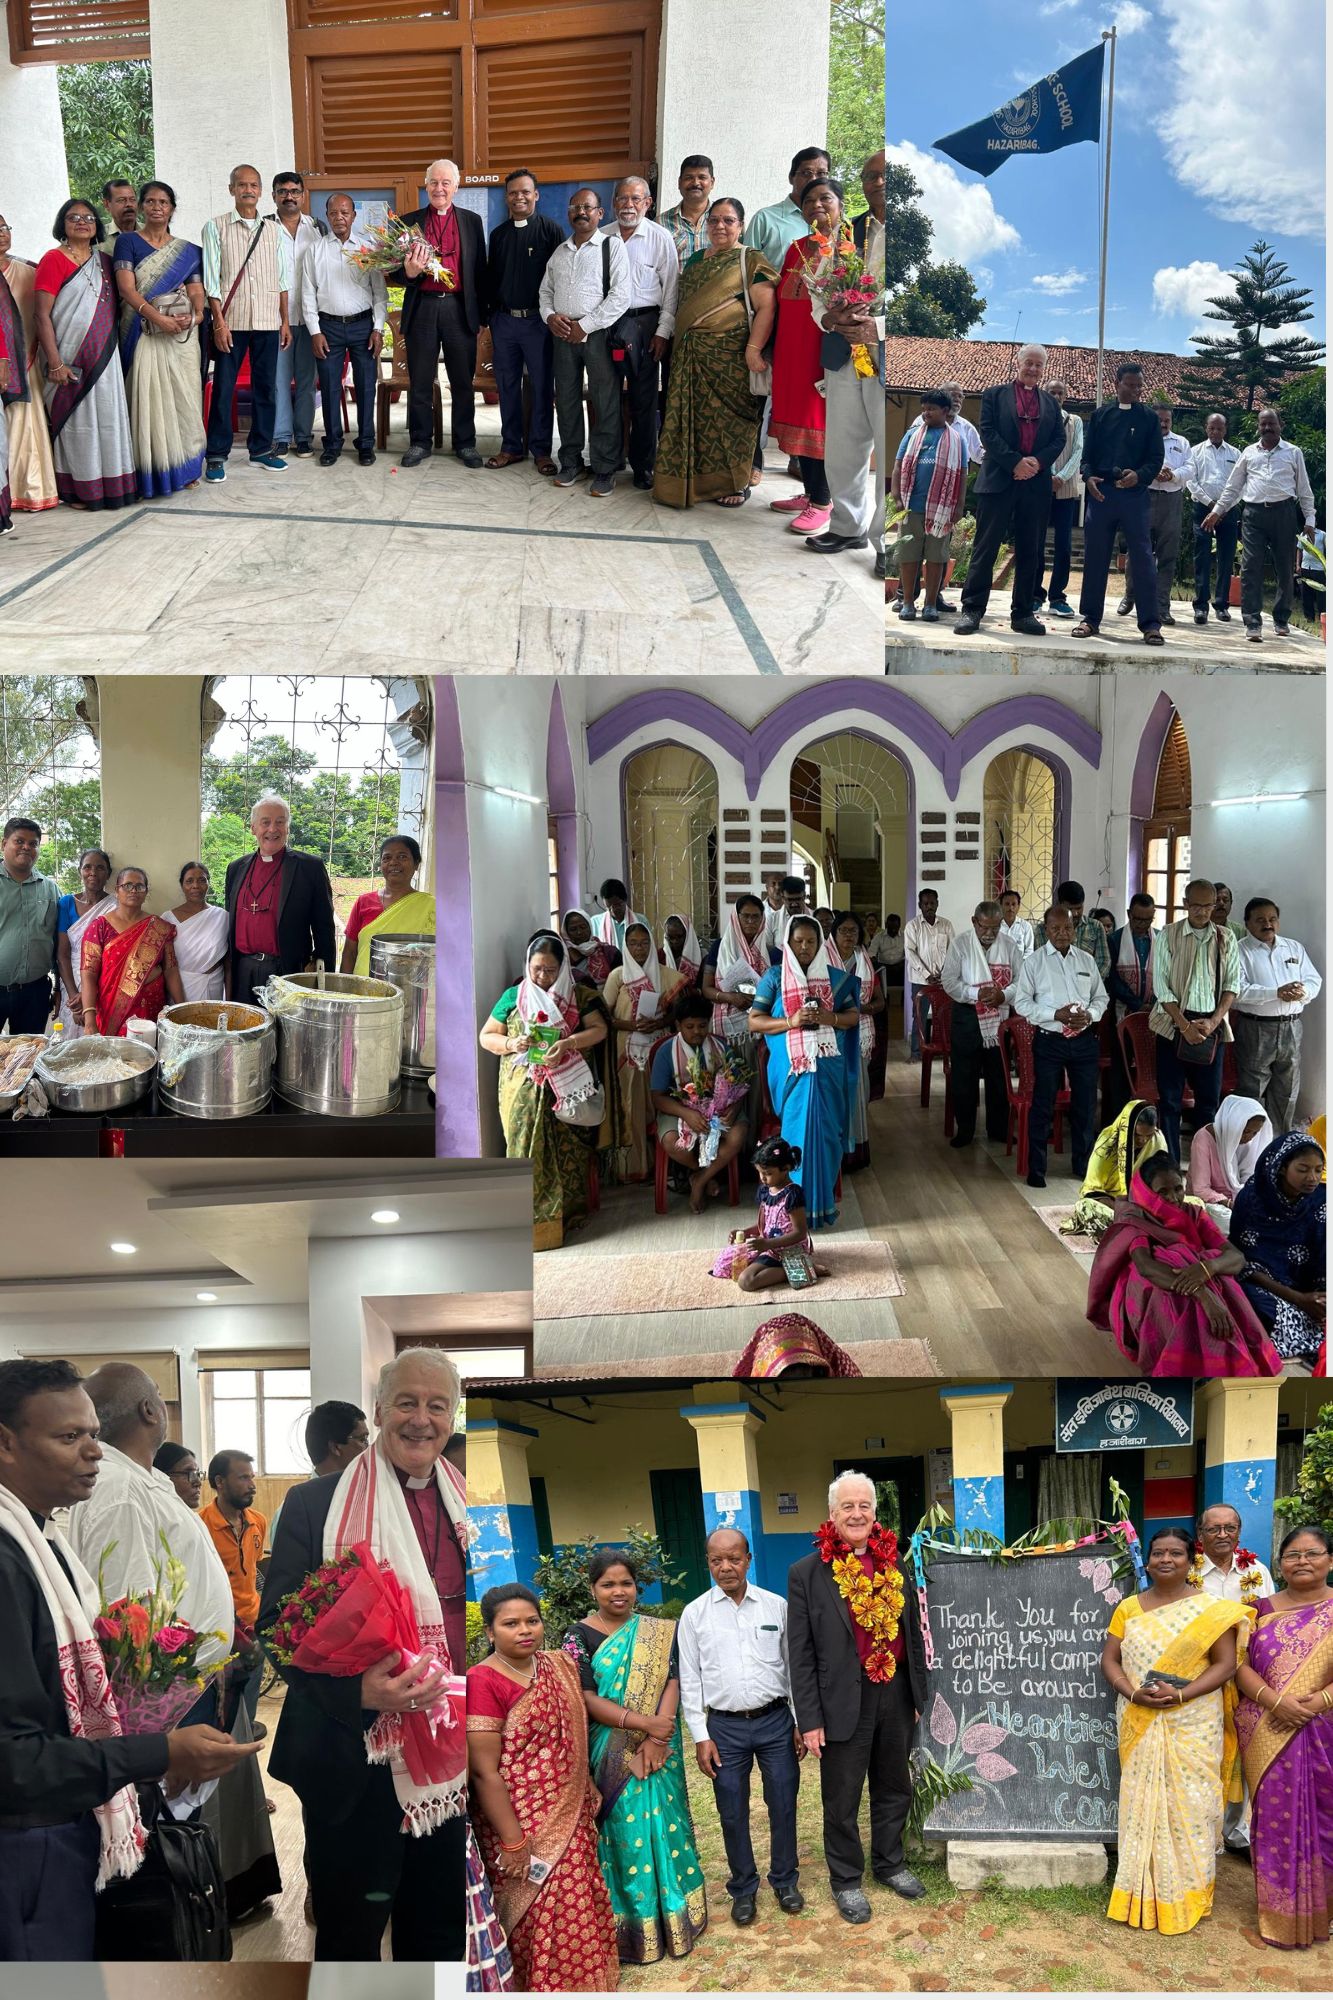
point(1016, 1699)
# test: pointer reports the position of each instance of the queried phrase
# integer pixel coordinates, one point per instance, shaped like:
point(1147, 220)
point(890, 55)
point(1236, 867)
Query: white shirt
point(1178, 460)
point(1260, 477)
point(307, 235)
point(1263, 968)
point(773, 923)
point(1226, 1582)
point(888, 949)
point(132, 1506)
point(331, 284)
point(1210, 469)
point(572, 283)
point(1020, 932)
point(732, 1656)
point(654, 271)
point(958, 964)
point(1049, 980)
point(926, 946)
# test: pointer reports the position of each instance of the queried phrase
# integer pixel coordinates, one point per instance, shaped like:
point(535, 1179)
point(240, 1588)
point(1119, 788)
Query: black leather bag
point(174, 1906)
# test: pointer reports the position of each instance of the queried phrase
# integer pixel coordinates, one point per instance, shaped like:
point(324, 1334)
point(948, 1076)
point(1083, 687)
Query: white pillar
point(222, 97)
point(751, 111)
point(34, 179)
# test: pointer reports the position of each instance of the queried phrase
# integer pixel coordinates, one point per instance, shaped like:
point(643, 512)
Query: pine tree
point(1236, 367)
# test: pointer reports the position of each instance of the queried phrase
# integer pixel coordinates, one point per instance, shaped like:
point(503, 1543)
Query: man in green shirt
point(1089, 934)
point(1195, 980)
point(27, 930)
point(774, 229)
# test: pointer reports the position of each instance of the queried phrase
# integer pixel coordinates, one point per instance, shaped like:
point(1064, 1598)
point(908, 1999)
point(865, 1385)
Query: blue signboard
point(1095, 1415)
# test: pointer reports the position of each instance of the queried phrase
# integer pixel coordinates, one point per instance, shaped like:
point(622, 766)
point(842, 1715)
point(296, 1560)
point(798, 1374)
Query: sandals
point(547, 467)
point(504, 458)
point(1153, 638)
point(1086, 631)
point(732, 499)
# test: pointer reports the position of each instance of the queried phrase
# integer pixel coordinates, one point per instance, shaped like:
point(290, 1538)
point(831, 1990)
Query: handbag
point(585, 1111)
point(761, 380)
point(174, 1906)
point(1199, 1055)
point(177, 300)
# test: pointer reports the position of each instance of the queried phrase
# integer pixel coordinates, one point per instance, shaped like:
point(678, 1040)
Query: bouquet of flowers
point(346, 1617)
point(839, 276)
point(382, 246)
point(151, 1655)
point(715, 1095)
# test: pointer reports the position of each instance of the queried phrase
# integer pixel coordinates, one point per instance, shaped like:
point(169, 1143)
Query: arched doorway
point(1022, 810)
point(850, 816)
point(1165, 861)
point(670, 801)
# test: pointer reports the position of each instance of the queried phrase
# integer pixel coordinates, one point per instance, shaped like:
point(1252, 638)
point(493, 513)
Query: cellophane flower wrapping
point(152, 1655)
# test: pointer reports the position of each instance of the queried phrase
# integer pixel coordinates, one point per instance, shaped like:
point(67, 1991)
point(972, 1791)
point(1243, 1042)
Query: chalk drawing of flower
point(983, 1736)
point(943, 1727)
point(969, 1752)
point(995, 1769)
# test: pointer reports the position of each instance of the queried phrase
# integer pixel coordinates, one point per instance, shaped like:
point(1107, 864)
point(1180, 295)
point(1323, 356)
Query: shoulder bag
point(1198, 1055)
point(174, 1906)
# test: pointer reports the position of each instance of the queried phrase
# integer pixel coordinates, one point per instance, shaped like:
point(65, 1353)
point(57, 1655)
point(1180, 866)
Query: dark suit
point(362, 1869)
point(447, 323)
point(1010, 509)
point(867, 1725)
point(1135, 447)
point(305, 922)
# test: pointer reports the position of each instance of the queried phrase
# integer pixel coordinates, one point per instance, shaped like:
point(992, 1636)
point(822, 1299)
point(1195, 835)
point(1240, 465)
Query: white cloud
point(966, 222)
point(1252, 157)
point(1179, 289)
point(1130, 17)
point(1056, 283)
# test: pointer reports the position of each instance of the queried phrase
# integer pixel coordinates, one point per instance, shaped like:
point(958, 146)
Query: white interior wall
point(222, 96)
point(34, 179)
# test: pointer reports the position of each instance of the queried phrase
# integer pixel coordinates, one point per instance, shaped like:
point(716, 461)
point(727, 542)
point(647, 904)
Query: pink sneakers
point(792, 506)
point(812, 522)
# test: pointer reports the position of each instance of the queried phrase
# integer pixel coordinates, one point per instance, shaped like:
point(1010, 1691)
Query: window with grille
point(261, 1412)
point(50, 768)
point(1166, 855)
point(671, 818)
point(1022, 830)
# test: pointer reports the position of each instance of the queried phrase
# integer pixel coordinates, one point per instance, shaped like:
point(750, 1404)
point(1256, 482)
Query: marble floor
point(333, 569)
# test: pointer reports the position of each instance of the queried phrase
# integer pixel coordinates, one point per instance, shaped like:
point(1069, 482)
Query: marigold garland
point(1246, 1561)
point(875, 1603)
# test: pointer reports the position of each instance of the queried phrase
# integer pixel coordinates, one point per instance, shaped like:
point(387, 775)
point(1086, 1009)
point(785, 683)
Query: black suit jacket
point(826, 1672)
point(305, 912)
point(471, 269)
point(544, 237)
point(1146, 449)
point(999, 434)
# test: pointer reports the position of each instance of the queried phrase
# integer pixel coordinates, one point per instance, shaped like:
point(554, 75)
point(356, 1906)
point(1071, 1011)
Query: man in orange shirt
point(240, 1536)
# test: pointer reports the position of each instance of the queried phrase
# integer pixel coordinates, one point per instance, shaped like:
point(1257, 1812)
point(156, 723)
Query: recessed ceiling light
point(207, 1298)
point(124, 1249)
point(384, 1215)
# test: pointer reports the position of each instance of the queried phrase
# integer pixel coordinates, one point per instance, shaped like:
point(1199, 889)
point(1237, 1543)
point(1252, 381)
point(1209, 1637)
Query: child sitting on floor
point(781, 1229)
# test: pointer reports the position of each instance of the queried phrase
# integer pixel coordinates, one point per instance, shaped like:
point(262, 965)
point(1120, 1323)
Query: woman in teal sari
point(631, 1690)
point(805, 1006)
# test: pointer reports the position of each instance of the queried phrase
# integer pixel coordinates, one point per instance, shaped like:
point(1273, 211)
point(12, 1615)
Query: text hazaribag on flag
point(1060, 110)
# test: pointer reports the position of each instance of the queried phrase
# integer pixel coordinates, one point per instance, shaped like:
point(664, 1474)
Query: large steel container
point(340, 1042)
point(215, 1058)
point(407, 960)
point(64, 1073)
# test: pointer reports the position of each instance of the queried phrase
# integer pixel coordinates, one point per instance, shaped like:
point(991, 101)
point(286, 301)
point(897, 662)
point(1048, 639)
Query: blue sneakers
point(270, 462)
point(215, 469)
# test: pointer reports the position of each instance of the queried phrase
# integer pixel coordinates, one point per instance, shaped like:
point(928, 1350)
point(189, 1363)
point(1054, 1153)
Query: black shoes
point(303, 450)
point(469, 457)
point(1032, 628)
point(967, 623)
point(743, 1910)
point(958, 1140)
point(853, 1905)
point(643, 482)
point(1125, 606)
point(1036, 1180)
point(418, 453)
point(366, 457)
point(1221, 613)
point(903, 1883)
point(829, 544)
point(1201, 617)
point(882, 565)
point(327, 457)
point(790, 1899)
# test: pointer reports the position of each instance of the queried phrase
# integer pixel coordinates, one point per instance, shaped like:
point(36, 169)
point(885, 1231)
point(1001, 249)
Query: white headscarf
point(691, 958)
point(738, 959)
point(1233, 1114)
point(643, 984)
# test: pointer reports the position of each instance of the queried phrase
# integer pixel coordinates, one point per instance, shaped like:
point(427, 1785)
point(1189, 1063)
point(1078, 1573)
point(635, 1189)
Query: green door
point(678, 1516)
point(900, 1489)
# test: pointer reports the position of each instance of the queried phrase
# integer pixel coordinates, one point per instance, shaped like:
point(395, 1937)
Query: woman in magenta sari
point(1285, 1726)
point(129, 962)
point(77, 309)
point(1164, 1282)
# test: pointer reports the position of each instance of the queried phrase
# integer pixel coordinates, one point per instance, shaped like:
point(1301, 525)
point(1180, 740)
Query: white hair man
point(644, 333)
point(443, 309)
point(856, 1697)
point(279, 905)
point(1023, 432)
point(409, 1504)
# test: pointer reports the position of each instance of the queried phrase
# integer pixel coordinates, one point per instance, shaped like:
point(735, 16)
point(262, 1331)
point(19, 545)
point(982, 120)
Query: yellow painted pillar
point(1240, 1453)
point(728, 1436)
point(976, 1415)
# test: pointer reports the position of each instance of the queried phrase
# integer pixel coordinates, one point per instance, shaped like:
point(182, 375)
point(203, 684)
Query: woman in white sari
point(201, 936)
point(638, 996)
point(731, 972)
point(77, 312)
point(160, 283)
point(73, 916)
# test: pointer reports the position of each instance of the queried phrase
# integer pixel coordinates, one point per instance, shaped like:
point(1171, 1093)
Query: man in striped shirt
point(248, 277)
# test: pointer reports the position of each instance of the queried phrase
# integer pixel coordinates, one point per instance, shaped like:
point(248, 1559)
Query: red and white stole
point(691, 957)
point(987, 965)
point(643, 985)
point(737, 958)
point(556, 1006)
point(800, 984)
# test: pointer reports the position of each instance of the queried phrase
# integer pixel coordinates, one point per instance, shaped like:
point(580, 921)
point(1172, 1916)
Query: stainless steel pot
point(216, 1058)
point(340, 1041)
point(36, 1043)
point(61, 1079)
point(407, 960)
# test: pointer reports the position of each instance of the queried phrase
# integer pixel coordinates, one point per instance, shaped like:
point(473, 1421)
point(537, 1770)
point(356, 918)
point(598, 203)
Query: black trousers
point(438, 327)
point(1056, 1057)
point(1268, 530)
point(743, 1741)
point(350, 339)
point(1018, 515)
point(631, 338)
point(364, 1872)
point(970, 1061)
point(1204, 1079)
point(1220, 542)
point(26, 1007)
point(47, 1904)
point(875, 1753)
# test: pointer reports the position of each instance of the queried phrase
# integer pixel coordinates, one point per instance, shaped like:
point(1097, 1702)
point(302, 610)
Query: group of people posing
point(94, 959)
point(703, 319)
point(1132, 475)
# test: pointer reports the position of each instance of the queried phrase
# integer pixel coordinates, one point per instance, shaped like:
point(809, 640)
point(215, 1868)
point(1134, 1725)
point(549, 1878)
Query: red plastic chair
point(937, 1043)
point(1020, 1077)
point(662, 1160)
point(242, 382)
point(1138, 1046)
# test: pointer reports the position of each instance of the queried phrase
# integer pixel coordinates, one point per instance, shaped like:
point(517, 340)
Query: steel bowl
point(66, 1093)
point(9, 1098)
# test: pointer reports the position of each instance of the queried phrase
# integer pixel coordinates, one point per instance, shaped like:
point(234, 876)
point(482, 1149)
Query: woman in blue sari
point(1278, 1222)
point(804, 1007)
point(161, 284)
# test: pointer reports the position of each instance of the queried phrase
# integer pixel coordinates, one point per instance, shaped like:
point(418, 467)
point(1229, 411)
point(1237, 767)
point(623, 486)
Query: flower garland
point(1246, 1561)
point(875, 1603)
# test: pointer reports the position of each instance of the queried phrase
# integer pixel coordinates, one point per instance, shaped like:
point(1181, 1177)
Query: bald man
point(443, 308)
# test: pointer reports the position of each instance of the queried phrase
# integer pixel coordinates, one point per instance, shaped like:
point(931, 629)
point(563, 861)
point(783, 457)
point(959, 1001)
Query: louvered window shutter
point(68, 31)
point(386, 114)
point(1172, 796)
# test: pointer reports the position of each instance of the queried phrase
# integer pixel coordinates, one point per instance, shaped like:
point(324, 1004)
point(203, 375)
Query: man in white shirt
point(735, 1696)
point(775, 907)
point(1018, 929)
point(1270, 477)
point(1221, 1576)
point(1166, 502)
point(642, 334)
point(980, 967)
point(584, 290)
point(344, 312)
point(927, 938)
point(1277, 983)
point(294, 424)
point(794, 904)
point(1210, 469)
point(1060, 991)
point(854, 404)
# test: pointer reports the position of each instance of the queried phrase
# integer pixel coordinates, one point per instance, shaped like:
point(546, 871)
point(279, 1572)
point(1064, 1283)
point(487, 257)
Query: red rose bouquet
point(383, 246)
point(151, 1655)
point(838, 276)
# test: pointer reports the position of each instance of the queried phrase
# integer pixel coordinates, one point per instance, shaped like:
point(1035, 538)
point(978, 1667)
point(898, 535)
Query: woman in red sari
point(797, 419)
point(1164, 1283)
point(129, 962)
point(535, 1804)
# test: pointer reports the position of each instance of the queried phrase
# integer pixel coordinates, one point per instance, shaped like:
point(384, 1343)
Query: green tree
point(1301, 404)
point(107, 109)
point(561, 1579)
point(226, 837)
point(270, 764)
point(1243, 365)
point(70, 816)
point(934, 301)
point(1312, 1501)
point(40, 727)
point(855, 91)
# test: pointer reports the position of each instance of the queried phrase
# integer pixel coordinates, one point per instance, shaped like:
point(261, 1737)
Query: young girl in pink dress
point(756, 1260)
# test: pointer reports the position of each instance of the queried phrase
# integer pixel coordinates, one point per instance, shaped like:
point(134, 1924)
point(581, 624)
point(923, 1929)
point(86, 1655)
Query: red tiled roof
point(915, 365)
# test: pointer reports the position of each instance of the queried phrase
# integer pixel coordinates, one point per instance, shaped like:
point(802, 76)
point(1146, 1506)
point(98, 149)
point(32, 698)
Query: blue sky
point(1218, 140)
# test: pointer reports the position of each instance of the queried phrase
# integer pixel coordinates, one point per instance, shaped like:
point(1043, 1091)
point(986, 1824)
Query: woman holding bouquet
point(695, 1078)
point(535, 1803)
point(630, 1678)
point(797, 421)
point(638, 995)
point(803, 1005)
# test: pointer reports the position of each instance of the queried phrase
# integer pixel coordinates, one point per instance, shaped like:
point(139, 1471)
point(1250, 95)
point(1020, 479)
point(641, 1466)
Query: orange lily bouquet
point(383, 246)
point(839, 276)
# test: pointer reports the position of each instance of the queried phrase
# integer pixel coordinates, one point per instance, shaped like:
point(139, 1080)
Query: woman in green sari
point(542, 1030)
point(631, 1690)
point(706, 449)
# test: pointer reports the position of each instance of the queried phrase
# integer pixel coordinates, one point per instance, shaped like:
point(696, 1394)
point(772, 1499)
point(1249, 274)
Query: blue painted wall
point(978, 1502)
point(1250, 1487)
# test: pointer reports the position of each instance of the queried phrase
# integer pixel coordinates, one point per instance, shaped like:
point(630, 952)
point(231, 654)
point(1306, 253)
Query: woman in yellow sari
point(1171, 1655)
point(396, 908)
point(1120, 1150)
point(711, 422)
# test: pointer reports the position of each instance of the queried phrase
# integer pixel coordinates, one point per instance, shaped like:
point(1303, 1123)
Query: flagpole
point(1108, 36)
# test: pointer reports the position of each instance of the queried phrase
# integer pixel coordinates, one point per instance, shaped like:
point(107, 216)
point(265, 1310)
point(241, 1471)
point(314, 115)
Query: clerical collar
point(522, 221)
point(419, 1485)
point(269, 859)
